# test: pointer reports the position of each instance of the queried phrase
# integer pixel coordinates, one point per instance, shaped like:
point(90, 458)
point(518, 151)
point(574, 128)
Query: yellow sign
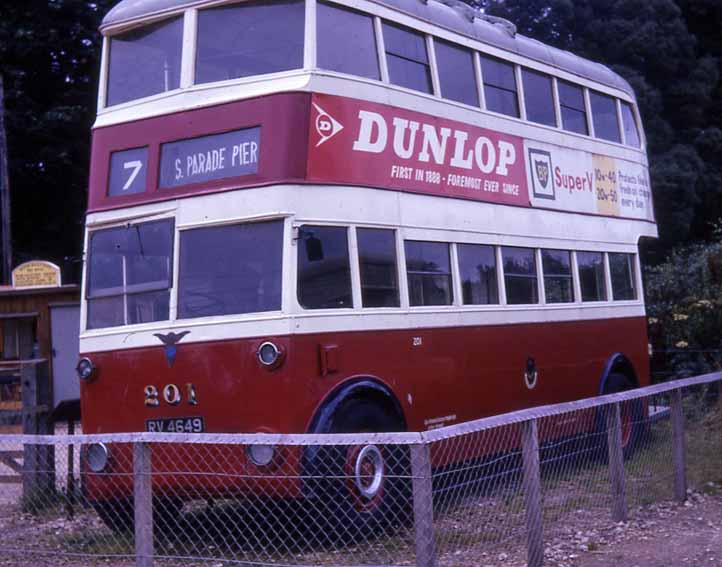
point(606, 187)
point(36, 273)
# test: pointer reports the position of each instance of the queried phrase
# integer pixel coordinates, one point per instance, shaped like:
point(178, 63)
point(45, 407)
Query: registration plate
point(176, 425)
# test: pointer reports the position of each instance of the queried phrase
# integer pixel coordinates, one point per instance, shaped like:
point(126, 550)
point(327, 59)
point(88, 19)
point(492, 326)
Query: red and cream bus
point(335, 215)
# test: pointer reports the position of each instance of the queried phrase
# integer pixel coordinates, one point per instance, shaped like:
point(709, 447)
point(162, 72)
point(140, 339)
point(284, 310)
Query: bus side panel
point(439, 376)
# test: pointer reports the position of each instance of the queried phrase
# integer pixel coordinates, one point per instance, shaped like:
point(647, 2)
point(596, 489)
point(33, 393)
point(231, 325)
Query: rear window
point(130, 274)
point(145, 61)
point(631, 134)
point(253, 38)
point(230, 269)
point(622, 272)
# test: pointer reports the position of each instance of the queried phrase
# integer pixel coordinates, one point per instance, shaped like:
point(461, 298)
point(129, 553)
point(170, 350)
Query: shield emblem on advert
point(540, 162)
point(542, 172)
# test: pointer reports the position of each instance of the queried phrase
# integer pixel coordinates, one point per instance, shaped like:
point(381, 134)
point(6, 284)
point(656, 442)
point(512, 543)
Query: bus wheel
point(364, 488)
point(117, 514)
point(632, 414)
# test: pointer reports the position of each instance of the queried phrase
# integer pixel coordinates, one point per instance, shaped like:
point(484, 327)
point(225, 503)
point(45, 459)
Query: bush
point(684, 306)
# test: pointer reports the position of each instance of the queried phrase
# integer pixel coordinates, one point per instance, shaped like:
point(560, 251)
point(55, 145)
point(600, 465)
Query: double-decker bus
point(337, 216)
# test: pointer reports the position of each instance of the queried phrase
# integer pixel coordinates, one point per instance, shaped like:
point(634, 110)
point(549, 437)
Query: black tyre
point(117, 514)
point(358, 490)
point(632, 414)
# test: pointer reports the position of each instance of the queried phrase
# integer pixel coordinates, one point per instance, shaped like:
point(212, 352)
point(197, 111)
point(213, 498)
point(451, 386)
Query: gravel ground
point(660, 535)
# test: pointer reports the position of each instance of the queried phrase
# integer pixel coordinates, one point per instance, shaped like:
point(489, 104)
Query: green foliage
point(684, 306)
point(50, 53)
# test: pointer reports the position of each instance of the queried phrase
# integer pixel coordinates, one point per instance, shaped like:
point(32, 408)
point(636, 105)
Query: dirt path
point(668, 535)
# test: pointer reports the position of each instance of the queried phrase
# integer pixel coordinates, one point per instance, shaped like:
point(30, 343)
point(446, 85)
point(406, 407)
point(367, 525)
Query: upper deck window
point(539, 98)
point(631, 134)
point(129, 274)
point(248, 39)
point(574, 111)
point(145, 61)
point(604, 115)
point(230, 269)
point(407, 58)
point(456, 73)
point(500, 86)
point(346, 42)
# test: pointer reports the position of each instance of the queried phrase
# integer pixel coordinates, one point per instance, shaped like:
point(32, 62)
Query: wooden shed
point(39, 319)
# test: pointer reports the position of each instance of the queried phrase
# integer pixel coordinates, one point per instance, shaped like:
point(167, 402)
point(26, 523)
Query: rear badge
point(170, 341)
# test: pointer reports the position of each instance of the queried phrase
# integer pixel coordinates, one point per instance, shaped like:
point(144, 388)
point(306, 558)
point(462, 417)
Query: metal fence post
point(423, 506)
point(531, 484)
point(143, 504)
point(616, 462)
point(679, 447)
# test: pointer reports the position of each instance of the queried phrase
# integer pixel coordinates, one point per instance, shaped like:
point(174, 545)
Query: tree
point(50, 58)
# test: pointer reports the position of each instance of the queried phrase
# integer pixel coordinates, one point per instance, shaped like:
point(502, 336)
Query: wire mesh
point(354, 500)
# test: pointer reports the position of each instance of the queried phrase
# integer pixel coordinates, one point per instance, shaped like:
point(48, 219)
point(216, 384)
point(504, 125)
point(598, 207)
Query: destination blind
point(209, 158)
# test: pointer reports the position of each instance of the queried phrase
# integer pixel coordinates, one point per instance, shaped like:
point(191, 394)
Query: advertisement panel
point(572, 180)
point(363, 143)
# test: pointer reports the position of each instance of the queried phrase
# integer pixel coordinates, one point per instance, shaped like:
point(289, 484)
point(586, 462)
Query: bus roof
point(453, 15)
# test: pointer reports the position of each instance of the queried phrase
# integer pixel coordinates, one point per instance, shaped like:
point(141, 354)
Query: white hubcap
point(369, 471)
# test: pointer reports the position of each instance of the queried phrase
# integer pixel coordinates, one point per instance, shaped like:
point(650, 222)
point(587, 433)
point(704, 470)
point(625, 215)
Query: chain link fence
point(468, 494)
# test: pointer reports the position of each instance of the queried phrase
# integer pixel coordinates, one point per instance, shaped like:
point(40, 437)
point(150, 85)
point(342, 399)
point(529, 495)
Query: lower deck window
point(429, 273)
point(129, 274)
point(592, 278)
point(477, 267)
point(377, 263)
point(324, 269)
point(621, 269)
point(520, 275)
point(558, 283)
point(230, 269)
